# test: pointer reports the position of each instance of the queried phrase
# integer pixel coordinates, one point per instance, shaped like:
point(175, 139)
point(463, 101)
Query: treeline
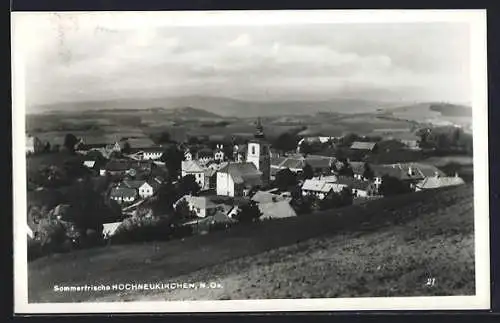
point(446, 140)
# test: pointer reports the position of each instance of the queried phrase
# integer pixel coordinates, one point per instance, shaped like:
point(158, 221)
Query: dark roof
point(205, 152)
point(118, 165)
point(353, 183)
point(243, 173)
point(153, 149)
point(123, 192)
point(402, 171)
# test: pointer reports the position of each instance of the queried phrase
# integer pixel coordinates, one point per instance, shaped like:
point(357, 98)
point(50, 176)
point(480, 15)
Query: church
point(237, 178)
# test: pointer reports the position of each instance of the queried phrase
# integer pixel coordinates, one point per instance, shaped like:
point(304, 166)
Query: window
point(253, 150)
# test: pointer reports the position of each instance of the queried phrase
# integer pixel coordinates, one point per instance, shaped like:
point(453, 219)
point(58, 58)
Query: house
point(204, 155)
point(151, 153)
point(358, 169)
point(219, 153)
point(317, 188)
point(123, 194)
point(145, 188)
point(202, 174)
point(201, 205)
point(358, 187)
point(408, 172)
point(109, 229)
point(188, 156)
point(319, 164)
point(362, 145)
point(437, 182)
point(33, 145)
point(234, 179)
point(239, 153)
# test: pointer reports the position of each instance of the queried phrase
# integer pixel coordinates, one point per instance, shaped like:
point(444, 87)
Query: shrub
point(140, 229)
point(248, 213)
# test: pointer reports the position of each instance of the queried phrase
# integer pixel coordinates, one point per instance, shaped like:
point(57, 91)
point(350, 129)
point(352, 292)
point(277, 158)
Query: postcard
point(250, 161)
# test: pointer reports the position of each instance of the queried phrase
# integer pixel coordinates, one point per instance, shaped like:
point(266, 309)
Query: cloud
point(242, 40)
point(92, 57)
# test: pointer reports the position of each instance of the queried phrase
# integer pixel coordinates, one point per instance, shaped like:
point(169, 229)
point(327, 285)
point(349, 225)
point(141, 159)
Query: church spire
point(260, 129)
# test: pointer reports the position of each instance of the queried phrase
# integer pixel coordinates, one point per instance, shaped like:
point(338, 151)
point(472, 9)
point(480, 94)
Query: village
point(201, 188)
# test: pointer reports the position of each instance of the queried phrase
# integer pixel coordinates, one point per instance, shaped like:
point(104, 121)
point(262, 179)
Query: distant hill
point(433, 112)
point(189, 113)
point(221, 106)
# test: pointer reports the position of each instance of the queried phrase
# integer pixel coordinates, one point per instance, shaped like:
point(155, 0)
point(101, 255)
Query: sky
point(87, 57)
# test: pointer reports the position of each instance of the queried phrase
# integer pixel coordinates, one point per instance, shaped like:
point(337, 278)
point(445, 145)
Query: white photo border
point(478, 65)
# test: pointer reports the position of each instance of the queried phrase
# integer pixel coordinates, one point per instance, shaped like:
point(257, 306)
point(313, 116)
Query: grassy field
point(386, 247)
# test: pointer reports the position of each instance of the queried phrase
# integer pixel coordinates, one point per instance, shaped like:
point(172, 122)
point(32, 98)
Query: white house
point(188, 156)
point(219, 153)
point(152, 153)
point(234, 179)
point(202, 174)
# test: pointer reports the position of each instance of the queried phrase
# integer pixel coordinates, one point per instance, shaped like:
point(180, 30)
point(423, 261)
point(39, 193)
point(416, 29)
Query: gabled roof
point(243, 173)
point(353, 183)
point(153, 149)
point(363, 145)
point(205, 152)
point(436, 182)
point(317, 186)
point(118, 165)
point(276, 210)
point(123, 192)
point(191, 166)
point(357, 167)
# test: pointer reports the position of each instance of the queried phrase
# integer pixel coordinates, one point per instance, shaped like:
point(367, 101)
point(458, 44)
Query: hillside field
point(388, 247)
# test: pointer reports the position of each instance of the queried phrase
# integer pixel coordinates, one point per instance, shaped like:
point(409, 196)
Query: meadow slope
point(387, 247)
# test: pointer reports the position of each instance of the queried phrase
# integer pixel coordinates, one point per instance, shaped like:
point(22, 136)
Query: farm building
point(203, 175)
point(145, 188)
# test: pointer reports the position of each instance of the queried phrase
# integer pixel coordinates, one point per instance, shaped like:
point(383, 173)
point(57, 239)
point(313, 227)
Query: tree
point(167, 195)
point(228, 151)
point(126, 148)
point(368, 172)
point(285, 178)
point(188, 185)
point(46, 148)
point(70, 141)
point(164, 137)
point(393, 186)
point(183, 213)
point(248, 213)
point(286, 142)
point(346, 169)
point(305, 148)
point(173, 157)
point(335, 200)
point(307, 172)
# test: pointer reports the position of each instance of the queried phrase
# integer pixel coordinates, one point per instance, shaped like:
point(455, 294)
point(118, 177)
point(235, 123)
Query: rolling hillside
point(386, 247)
point(221, 106)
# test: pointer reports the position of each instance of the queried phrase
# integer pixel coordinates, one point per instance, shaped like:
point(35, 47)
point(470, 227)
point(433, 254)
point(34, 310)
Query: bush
point(248, 213)
point(140, 229)
point(393, 186)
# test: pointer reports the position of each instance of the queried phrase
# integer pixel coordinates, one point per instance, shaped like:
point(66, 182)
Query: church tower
point(259, 152)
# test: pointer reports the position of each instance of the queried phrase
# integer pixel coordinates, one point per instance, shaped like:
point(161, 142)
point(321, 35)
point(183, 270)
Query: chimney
point(436, 174)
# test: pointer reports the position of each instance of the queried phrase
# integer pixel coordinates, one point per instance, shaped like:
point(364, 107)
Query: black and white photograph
point(250, 161)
